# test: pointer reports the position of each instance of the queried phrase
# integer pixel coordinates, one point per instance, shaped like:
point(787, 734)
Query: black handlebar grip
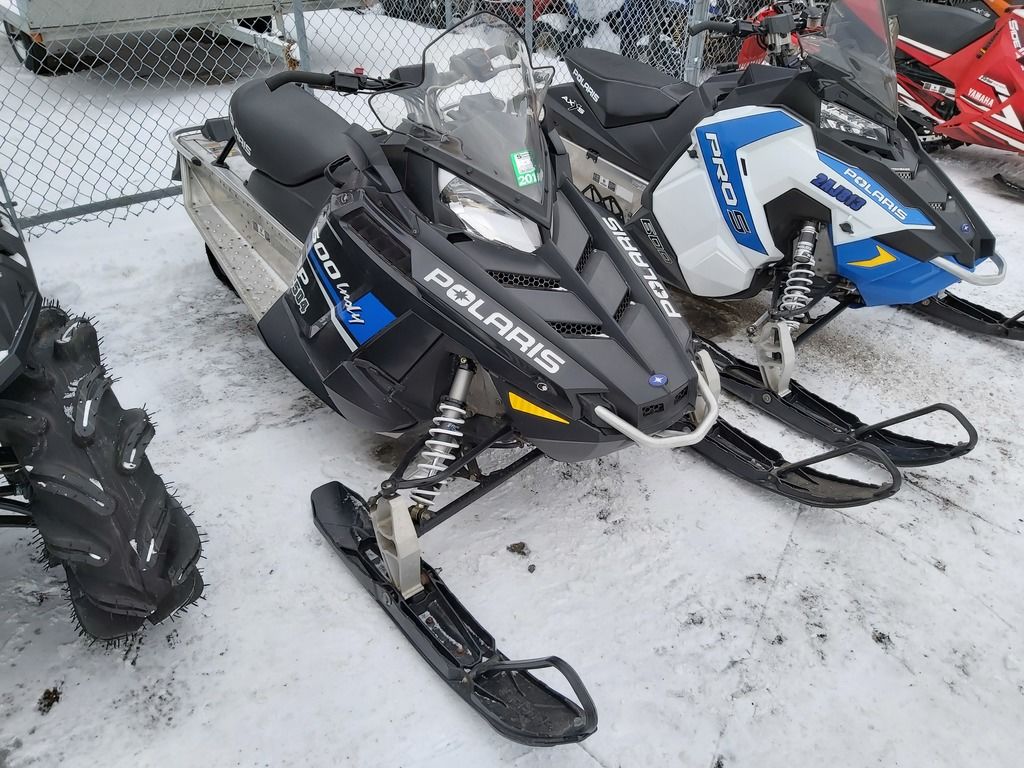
point(728, 27)
point(316, 79)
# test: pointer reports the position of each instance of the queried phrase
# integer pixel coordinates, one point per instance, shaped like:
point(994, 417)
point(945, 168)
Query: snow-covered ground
point(714, 625)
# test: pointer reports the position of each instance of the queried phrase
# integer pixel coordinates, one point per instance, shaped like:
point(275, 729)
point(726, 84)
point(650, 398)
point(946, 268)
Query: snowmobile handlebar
point(699, 432)
point(315, 79)
point(782, 23)
point(724, 27)
point(342, 82)
point(734, 28)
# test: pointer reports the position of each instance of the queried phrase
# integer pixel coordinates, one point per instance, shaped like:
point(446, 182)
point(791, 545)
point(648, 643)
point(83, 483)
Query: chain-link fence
point(91, 88)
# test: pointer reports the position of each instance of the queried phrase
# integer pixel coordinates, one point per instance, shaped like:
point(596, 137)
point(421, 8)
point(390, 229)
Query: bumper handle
point(674, 439)
point(964, 274)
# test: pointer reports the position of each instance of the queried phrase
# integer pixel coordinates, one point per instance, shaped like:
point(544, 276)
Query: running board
point(749, 459)
point(258, 256)
point(806, 412)
point(969, 316)
point(515, 703)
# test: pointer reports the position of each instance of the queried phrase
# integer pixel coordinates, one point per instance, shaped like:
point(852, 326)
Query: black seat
point(943, 27)
point(287, 134)
point(622, 91)
point(290, 138)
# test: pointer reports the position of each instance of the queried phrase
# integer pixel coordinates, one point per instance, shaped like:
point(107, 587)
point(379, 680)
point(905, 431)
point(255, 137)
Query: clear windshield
point(477, 98)
point(856, 40)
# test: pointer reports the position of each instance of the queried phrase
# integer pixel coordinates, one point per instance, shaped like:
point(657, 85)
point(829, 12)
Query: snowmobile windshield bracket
point(700, 431)
point(961, 273)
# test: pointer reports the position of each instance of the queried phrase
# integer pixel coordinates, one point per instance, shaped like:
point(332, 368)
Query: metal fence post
point(694, 63)
point(448, 14)
point(300, 34)
point(7, 204)
point(528, 25)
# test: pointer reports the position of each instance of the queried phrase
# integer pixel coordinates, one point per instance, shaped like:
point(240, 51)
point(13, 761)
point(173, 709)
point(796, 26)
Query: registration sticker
point(524, 169)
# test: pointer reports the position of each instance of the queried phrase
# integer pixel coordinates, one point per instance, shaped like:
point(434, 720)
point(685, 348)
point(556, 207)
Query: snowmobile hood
point(583, 317)
point(939, 220)
point(930, 216)
point(579, 324)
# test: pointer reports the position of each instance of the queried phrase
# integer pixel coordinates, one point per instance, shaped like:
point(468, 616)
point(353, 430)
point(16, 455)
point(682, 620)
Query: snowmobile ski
point(1014, 184)
point(807, 412)
point(753, 461)
point(461, 651)
point(972, 317)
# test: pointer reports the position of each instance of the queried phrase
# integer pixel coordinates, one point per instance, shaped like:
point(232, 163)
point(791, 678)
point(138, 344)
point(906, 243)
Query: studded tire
point(128, 547)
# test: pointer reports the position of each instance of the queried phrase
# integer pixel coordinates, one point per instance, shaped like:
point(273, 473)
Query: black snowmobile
point(796, 177)
point(444, 279)
point(75, 466)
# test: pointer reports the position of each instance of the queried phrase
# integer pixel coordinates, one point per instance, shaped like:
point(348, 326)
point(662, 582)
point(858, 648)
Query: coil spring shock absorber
point(796, 293)
point(445, 437)
point(776, 354)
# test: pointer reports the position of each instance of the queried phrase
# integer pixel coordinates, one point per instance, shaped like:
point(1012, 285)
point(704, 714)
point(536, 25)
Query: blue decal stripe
point(376, 317)
point(913, 217)
point(731, 136)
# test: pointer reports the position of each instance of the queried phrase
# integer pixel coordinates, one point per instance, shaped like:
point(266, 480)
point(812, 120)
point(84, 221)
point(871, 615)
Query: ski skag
point(972, 317)
point(807, 412)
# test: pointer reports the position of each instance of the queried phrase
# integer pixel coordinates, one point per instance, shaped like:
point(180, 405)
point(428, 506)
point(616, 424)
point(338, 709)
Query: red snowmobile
point(960, 69)
point(961, 73)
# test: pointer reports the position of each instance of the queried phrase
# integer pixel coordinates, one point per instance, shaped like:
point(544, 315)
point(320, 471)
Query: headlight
point(838, 118)
point(485, 217)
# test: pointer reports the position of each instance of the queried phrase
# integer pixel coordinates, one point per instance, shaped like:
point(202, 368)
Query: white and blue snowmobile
point(444, 279)
point(75, 467)
point(797, 177)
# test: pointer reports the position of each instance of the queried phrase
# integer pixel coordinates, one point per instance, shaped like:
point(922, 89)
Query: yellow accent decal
point(520, 404)
point(883, 257)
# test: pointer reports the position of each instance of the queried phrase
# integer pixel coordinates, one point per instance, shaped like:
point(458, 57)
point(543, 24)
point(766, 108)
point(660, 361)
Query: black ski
point(1012, 183)
point(751, 460)
point(463, 653)
point(807, 412)
point(972, 317)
